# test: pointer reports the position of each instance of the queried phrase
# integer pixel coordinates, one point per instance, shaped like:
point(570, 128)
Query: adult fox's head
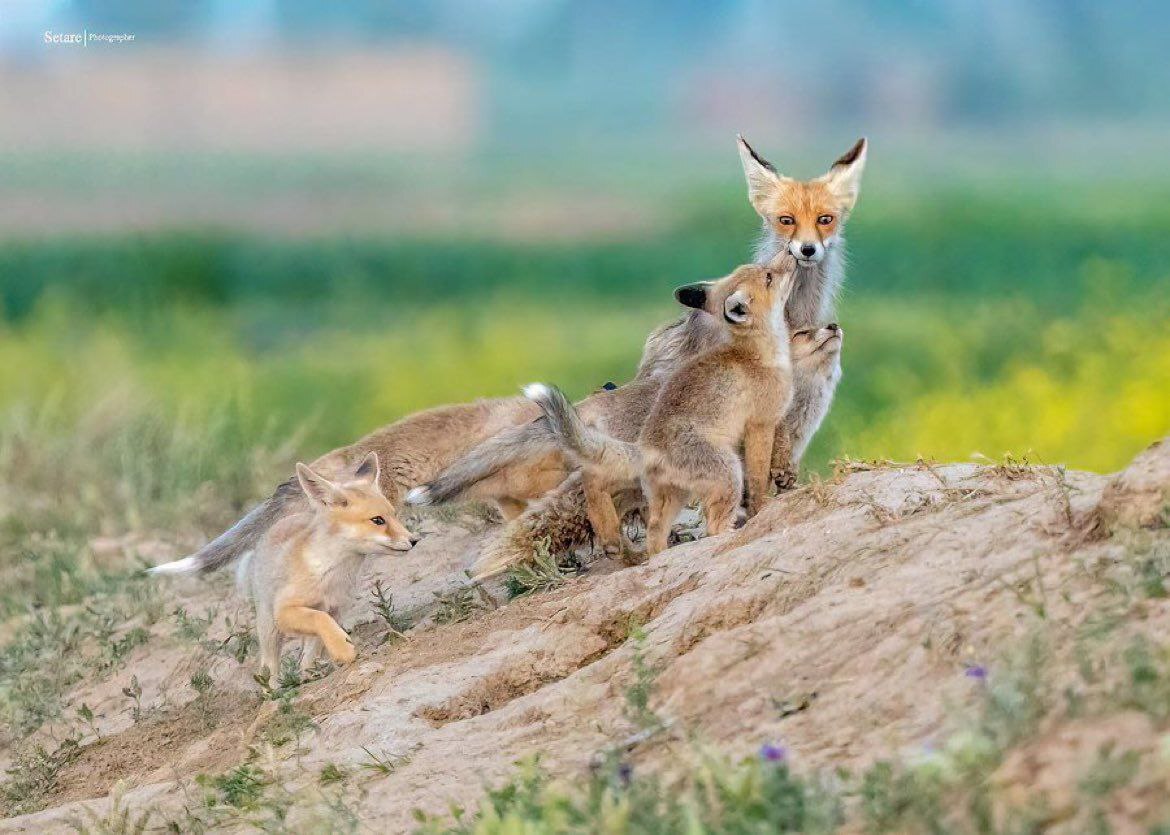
point(806, 216)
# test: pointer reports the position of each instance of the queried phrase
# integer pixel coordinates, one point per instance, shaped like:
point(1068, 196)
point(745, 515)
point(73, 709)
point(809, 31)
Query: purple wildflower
point(773, 753)
point(976, 671)
point(625, 774)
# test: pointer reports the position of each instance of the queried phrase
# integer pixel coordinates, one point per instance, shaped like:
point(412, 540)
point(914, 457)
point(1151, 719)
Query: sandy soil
point(840, 620)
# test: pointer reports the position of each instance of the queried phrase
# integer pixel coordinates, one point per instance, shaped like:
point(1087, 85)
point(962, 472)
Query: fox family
point(723, 405)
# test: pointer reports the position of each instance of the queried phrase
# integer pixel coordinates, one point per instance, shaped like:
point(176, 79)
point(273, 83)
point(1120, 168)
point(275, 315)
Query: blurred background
point(246, 232)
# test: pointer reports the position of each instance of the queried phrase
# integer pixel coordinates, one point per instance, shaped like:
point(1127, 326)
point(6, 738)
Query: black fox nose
point(808, 250)
point(833, 326)
point(414, 539)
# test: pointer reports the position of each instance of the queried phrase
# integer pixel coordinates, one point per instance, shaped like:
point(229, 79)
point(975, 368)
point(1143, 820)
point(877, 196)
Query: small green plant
point(1110, 771)
point(120, 648)
point(1146, 685)
point(134, 692)
point(543, 572)
point(290, 675)
point(891, 796)
point(288, 724)
point(383, 763)
point(639, 692)
point(32, 776)
point(396, 623)
point(192, 628)
point(1017, 696)
point(331, 773)
point(756, 795)
point(86, 715)
point(290, 678)
point(457, 605)
point(121, 819)
point(203, 684)
point(240, 788)
point(239, 643)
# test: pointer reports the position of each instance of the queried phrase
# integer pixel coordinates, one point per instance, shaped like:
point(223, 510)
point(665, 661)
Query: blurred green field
point(138, 374)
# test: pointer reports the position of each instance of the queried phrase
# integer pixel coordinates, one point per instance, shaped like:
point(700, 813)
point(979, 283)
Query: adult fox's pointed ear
point(694, 295)
point(844, 178)
point(761, 175)
point(320, 490)
point(369, 469)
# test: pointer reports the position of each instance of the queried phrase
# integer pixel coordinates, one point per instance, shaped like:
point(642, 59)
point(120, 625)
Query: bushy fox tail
point(563, 420)
point(557, 521)
point(620, 460)
point(241, 537)
point(510, 446)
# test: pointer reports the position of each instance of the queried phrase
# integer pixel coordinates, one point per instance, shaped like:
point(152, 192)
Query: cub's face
point(356, 510)
point(751, 297)
point(817, 350)
point(367, 520)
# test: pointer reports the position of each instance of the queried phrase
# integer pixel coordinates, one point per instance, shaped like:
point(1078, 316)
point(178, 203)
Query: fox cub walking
point(305, 566)
point(729, 395)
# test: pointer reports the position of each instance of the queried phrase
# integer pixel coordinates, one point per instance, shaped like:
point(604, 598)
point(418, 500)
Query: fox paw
point(346, 653)
point(784, 480)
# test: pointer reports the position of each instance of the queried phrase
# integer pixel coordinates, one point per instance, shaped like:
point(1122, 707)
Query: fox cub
point(735, 393)
point(305, 566)
point(730, 395)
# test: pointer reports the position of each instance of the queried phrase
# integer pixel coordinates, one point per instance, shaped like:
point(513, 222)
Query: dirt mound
point(857, 619)
point(1139, 496)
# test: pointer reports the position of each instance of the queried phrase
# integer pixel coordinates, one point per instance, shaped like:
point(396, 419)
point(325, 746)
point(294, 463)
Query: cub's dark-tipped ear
point(369, 469)
point(694, 295)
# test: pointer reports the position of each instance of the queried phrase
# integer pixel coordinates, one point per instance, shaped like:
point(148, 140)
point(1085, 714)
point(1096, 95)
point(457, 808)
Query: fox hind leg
point(602, 513)
point(665, 502)
point(310, 652)
point(722, 497)
point(270, 639)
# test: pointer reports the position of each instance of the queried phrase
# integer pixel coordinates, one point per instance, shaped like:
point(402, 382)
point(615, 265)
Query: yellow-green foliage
point(190, 365)
point(1088, 389)
point(1088, 398)
point(131, 417)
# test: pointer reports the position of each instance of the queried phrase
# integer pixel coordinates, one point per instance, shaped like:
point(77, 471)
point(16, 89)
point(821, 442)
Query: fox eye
point(767, 279)
point(378, 520)
point(786, 220)
point(825, 220)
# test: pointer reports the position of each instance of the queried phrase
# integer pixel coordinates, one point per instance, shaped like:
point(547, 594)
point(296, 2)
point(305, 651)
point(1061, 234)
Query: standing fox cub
point(731, 395)
point(305, 566)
